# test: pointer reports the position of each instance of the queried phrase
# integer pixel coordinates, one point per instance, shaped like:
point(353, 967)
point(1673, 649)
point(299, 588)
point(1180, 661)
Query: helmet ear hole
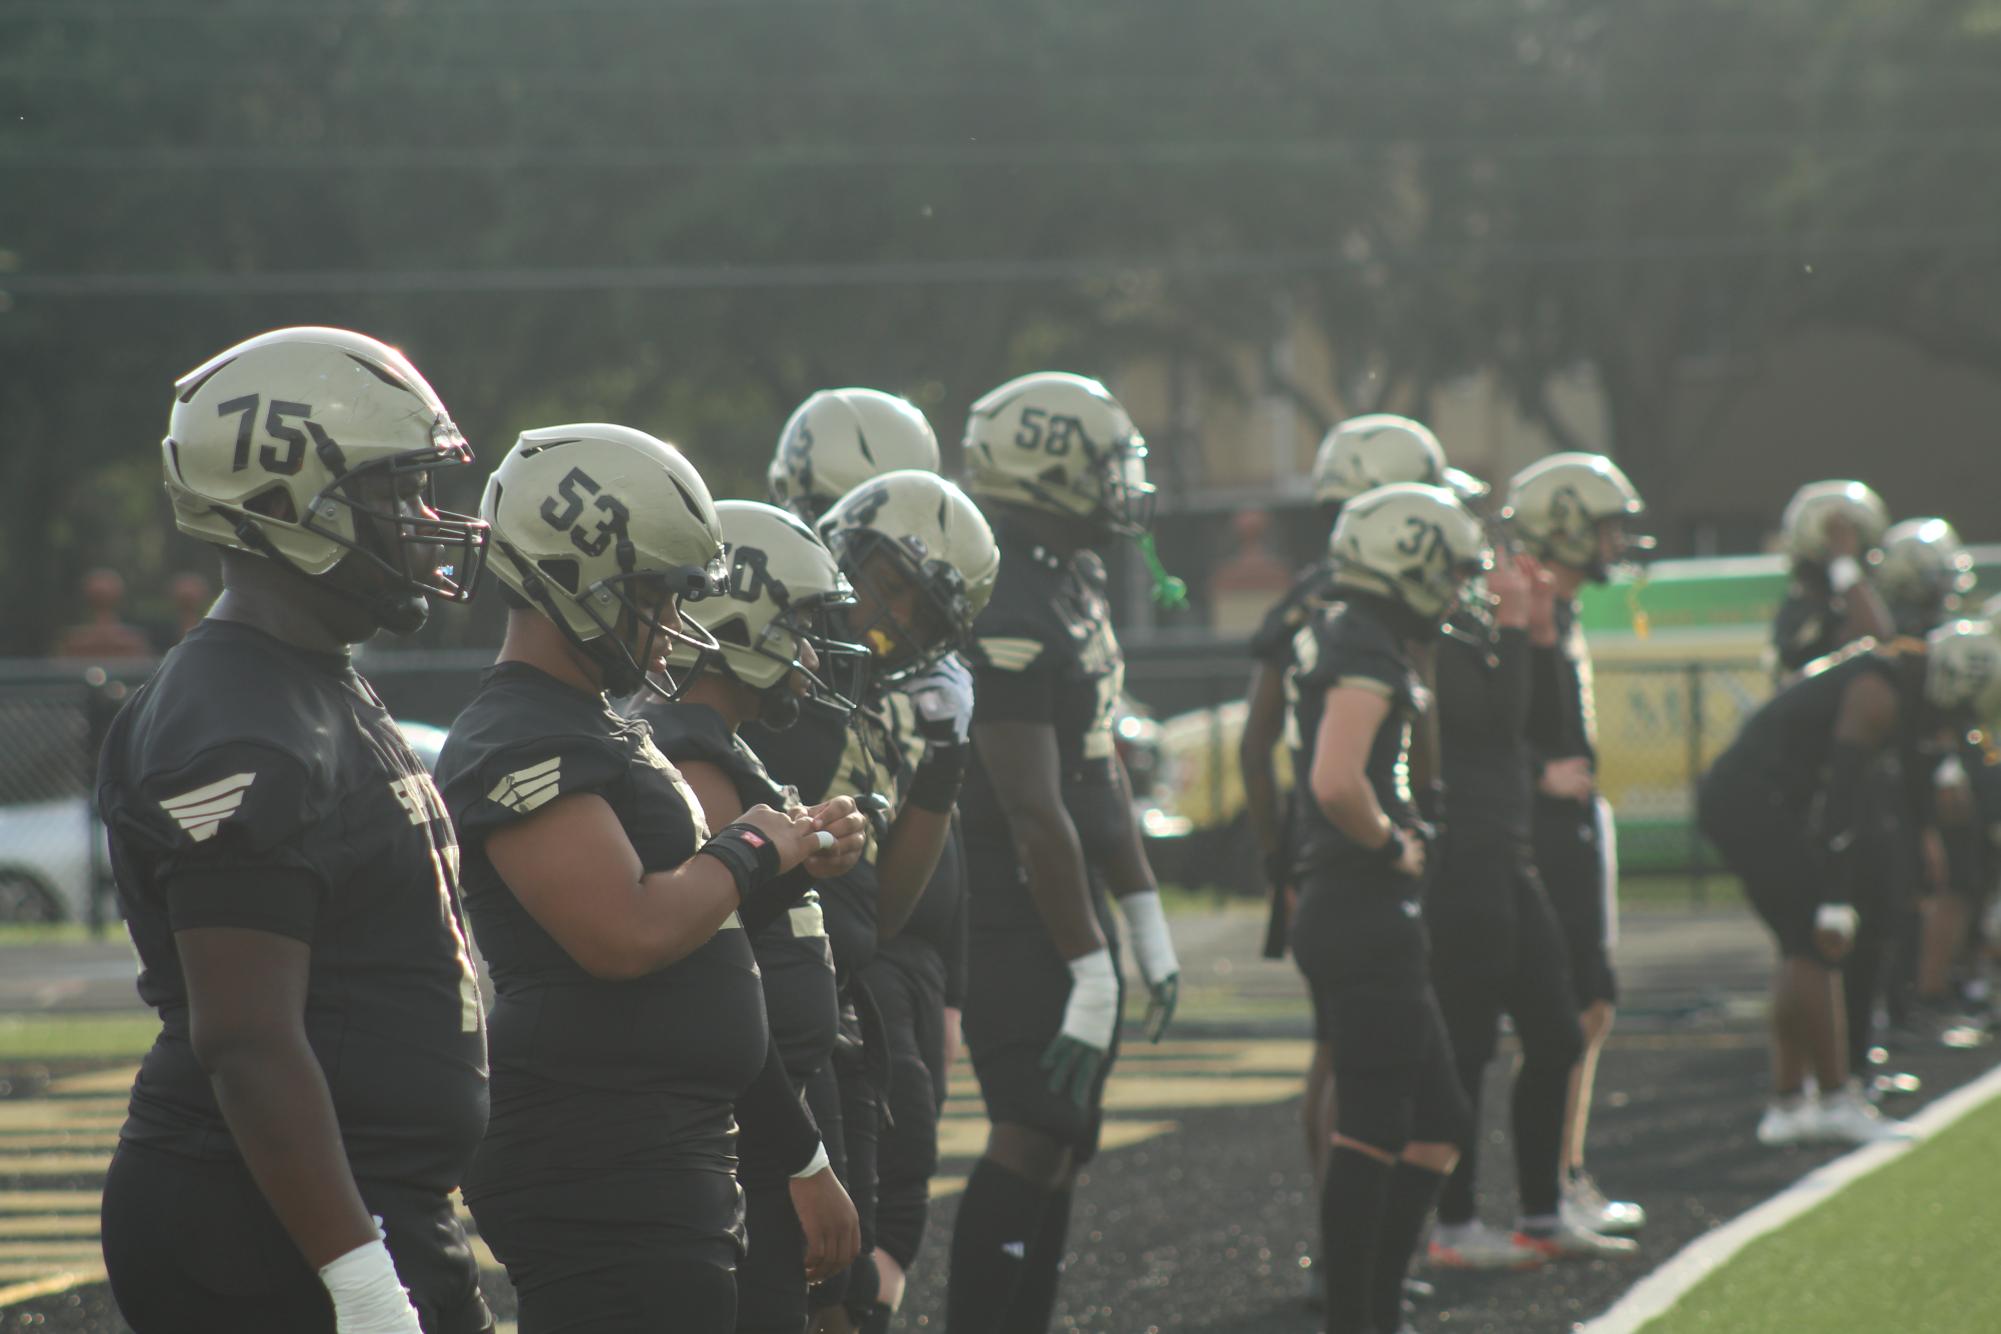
point(733, 631)
point(273, 503)
point(564, 572)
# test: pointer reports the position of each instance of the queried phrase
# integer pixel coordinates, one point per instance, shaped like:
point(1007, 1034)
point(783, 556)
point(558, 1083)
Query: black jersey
point(792, 950)
point(1483, 704)
point(1809, 625)
point(1358, 642)
point(592, 1074)
point(1783, 747)
point(1043, 652)
point(1312, 588)
point(254, 784)
point(1563, 708)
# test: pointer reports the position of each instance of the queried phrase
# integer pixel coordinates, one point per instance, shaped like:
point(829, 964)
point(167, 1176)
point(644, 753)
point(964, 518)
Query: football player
point(1403, 555)
point(1832, 532)
point(921, 560)
point(775, 628)
point(1784, 804)
point(1924, 572)
point(1050, 832)
point(1359, 453)
point(628, 1019)
point(289, 875)
point(1571, 512)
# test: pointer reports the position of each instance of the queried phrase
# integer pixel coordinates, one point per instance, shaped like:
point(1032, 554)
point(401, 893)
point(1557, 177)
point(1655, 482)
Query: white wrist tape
point(1951, 772)
point(817, 1166)
point(1839, 918)
point(368, 1298)
point(1092, 1013)
point(1843, 573)
point(1152, 942)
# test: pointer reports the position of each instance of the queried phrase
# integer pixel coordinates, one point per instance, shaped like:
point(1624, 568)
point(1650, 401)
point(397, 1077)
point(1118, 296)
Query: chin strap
point(1169, 593)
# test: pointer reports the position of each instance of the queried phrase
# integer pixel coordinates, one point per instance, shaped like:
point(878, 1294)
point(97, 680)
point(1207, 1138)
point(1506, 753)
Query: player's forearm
point(1261, 801)
point(1128, 871)
point(908, 860)
point(676, 913)
point(1057, 882)
point(274, 1097)
point(1350, 805)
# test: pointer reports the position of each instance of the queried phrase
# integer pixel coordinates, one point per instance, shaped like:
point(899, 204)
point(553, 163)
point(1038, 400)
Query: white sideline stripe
point(1656, 1294)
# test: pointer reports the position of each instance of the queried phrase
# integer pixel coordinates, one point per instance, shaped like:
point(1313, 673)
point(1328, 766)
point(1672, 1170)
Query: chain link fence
point(1660, 723)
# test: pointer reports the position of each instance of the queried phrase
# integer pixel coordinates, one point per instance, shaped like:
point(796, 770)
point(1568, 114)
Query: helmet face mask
point(297, 445)
point(1922, 571)
point(1963, 672)
point(922, 560)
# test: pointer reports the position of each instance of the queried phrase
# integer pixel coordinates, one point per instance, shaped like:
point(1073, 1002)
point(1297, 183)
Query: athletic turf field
point(1910, 1247)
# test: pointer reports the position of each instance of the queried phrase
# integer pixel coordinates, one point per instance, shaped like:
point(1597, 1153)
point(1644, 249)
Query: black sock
point(877, 1320)
point(999, 1216)
point(1352, 1202)
point(1458, 1204)
point(1412, 1192)
point(1541, 1092)
point(1035, 1299)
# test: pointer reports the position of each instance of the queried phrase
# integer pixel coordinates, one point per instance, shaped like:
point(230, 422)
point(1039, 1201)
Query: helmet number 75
point(276, 427)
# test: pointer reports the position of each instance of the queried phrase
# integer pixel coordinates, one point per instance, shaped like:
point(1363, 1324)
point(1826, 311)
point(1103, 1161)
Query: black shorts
point(1765, 843)
point(1016, 988)
point(578, 1273)
point(194, 1246)
point(908, 981)
point(1489, 960)
point(1363, 949)
point(1571, 852)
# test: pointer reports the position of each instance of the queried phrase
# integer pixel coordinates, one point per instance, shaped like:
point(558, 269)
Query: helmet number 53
point(571, 489)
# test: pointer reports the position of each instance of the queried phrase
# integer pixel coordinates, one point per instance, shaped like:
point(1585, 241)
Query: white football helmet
point(1963, 671)
point(1805, 527)
point(1063, 445)
point(914, 537)
point(291, 445)
point(839, 438)
point(785, 590)
point(1557, 506)
point(1412, 543)
point(1375, 450)
point(1922, 571)
point(606, 530)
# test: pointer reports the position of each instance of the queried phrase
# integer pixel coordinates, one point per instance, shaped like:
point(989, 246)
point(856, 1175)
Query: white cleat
point(1566, 1241)
point(1586, 1206)
point(1845, 1117)
point(1787, 1121)
point(1477, 1246)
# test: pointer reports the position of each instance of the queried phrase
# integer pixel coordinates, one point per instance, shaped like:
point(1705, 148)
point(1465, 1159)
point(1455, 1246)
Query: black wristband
point(935, 786)
point(749, 854)
point(767, 902)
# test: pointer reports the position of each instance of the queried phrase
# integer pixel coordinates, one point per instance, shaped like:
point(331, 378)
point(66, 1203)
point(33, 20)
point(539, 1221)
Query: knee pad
point(1375, 1109)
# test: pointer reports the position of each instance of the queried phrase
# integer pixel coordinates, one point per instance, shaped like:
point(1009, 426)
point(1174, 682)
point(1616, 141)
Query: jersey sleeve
point(511, 782)
point(1346, 652)
point(1015, 671)
point(224, 836)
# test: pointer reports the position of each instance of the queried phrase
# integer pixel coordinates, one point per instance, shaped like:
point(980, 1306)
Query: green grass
point(1664, 892)
point(18, 935)
point(70, 1037)
point(1909, 1247)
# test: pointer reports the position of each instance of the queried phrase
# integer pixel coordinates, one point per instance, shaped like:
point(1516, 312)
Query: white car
point(46, 866)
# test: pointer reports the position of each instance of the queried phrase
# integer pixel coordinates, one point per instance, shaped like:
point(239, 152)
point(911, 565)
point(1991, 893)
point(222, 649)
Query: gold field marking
point(52, 1286)
point(49, 1225)
point(98, 1082)
point(49, 1201)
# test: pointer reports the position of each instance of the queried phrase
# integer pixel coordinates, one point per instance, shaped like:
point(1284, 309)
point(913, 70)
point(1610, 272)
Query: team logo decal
point(202, 811)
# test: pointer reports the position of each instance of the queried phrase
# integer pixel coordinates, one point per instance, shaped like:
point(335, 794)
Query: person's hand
point(840, 818)
point(943, 699)
point(1090, 1018)
point(1153, 945)
point(791, 835)
point(1510, 586)
point(827, 1217)
point(1568, 779)
point(1411, 863)
point(1834, 930)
